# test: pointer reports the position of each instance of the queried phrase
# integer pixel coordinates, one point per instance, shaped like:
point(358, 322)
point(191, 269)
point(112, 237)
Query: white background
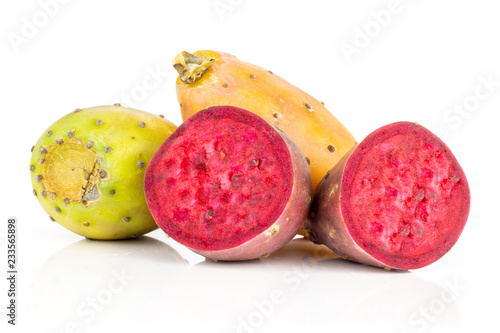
point(424, 63)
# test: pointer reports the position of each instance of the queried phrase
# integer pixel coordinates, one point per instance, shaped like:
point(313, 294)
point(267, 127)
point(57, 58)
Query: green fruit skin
point(123, 130)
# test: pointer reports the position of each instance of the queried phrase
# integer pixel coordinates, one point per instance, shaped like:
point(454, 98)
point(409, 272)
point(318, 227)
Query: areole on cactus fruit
point(87, 170)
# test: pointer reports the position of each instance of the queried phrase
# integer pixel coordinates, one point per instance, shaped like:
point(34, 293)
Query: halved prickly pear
point(209, 78)
point(229, 185)
point(87, 170)
point(399, 199)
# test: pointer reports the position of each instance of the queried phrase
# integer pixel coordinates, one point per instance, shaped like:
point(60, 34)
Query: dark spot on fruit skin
point(112, 192)
point(52, 219)
point(34, 192)
point(270, 72)
point(86, 224)
point(85, 202)
point(308, 161)
point(44, 194)
point(41, 160)
point(140, 164)
point(32, 168)
point(77, 110)
point(66, 201)
point(309, 107)
point(141, 124)
point(209, 214)
point(33, 147)
point(180, 104)
point(99, 122)
point(58, 210)
point(225, 85)
point(71, 134)
point(127, 219)
point(49, 133)
point(39, 178)
point(252, 76)
point(331, 148)
point(43, 151)
point(117, 104)
point(89, 144)
point(107, 149)
point(92, 195)
point(98, 160)
point(53, 195)
point(161, 116)
point(59, 141)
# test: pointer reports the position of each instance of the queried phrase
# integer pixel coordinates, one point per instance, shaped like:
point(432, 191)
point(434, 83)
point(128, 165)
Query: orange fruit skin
point(230, 81)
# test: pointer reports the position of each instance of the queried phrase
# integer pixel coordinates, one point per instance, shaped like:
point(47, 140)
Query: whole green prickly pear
point(87, 170)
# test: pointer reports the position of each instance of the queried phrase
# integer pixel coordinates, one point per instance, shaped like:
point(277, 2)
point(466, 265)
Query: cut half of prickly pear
point(399, 199)
point(229, 185)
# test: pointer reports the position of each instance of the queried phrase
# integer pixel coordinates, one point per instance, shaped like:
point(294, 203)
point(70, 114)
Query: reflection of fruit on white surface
point(90, 280)
point(266, 293)
point(366, 297)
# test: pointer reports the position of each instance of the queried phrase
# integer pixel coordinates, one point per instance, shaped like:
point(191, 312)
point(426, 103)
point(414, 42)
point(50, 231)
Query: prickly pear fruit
point(229, 185)
point(209, 78)
point(87, 170)
point(399, 199)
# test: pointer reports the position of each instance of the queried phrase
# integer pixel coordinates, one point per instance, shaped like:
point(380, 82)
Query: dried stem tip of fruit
point(76, 181)
point(191, 67)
